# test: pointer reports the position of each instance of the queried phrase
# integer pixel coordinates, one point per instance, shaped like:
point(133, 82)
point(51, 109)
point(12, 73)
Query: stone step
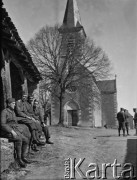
point(7, 153)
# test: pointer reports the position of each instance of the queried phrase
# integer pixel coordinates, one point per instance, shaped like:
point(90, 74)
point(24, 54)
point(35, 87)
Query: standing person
point(38, 115)
point(126, 114)
point(21, 111)
point(121, 121)
point(15, 132)
point(135, 119)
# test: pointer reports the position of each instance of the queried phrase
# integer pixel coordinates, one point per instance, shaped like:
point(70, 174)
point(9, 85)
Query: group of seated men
point(22, 122)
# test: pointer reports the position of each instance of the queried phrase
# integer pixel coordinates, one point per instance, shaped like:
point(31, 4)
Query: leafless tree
point(66, 62)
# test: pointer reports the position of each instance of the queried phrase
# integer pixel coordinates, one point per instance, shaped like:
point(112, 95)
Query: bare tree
point(67, 61)
point(44, 95)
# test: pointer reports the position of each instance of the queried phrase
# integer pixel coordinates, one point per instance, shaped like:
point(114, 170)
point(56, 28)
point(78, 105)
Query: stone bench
point(7, 153)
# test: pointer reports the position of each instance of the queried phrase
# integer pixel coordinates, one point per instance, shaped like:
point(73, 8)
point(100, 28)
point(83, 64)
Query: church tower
point(72, 33)
point(72, 16)
point(72, 21)
point(70, 29)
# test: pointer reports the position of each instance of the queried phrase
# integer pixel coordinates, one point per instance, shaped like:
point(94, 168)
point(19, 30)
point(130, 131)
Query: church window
point(71, 43)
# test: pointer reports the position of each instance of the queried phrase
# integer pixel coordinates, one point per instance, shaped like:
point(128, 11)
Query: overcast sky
point(112, 24)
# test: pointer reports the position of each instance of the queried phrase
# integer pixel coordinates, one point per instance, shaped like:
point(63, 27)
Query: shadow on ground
point(131, 159)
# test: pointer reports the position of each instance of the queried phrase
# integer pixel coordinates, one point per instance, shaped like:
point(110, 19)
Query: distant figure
point(121, 121)
point(135, 119)
point(126, 114)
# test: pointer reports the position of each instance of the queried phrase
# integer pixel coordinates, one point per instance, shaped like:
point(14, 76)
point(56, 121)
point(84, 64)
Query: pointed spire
point(72, 16)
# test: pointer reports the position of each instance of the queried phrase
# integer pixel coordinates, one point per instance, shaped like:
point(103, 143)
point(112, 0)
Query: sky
point(112, 24)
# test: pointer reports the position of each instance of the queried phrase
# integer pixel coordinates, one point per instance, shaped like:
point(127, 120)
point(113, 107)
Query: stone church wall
point(89, 107)
point(109, 110)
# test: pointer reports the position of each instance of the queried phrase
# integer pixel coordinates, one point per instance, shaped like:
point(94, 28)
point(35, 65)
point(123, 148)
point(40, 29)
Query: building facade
point(77, 108)
point(18, 72)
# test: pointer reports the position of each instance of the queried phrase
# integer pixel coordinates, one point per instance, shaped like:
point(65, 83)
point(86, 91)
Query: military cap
point(24, 94)
point(36, 101)
point(10, 100)
point(30, 96)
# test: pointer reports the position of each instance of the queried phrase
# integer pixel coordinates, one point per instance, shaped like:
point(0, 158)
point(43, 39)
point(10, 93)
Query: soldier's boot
point(136, 132)
point(18, 146)
point(118, 132)
point(34, 147)
point(124, 132)
point(34, 136)
point(24, 153)
point(127, 131)
point(47, 135)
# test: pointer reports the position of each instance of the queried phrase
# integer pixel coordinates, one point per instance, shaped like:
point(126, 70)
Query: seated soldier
point(39, 117)
point(29, 111)
point(15, 132)
point(21, 111)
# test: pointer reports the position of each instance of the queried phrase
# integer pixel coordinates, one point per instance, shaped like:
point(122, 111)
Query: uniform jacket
point(25, 109)
point(135, 117)
point(29, 108)
point(21, 108)
point(120, 116)
point(9, 121)
point(126, 114)
point(38, 113)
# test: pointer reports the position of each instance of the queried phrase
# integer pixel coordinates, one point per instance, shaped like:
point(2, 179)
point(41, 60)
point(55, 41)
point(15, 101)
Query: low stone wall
point(7, 154)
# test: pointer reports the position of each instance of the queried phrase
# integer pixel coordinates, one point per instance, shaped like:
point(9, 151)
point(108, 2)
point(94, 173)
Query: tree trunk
point(60, 111)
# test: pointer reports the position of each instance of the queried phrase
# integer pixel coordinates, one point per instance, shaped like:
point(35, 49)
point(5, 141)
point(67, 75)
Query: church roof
point(72, 15)
point(107, 86)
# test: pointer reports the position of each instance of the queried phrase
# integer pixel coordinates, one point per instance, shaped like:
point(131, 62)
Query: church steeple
point(72, 16)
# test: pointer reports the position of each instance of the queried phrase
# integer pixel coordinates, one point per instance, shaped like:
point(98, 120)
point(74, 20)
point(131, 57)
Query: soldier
point(15, 132)
point(21, 111)
point(121, 121)
point(126, 114)
point(29, 109)
point(135, 119)
point(39, 117)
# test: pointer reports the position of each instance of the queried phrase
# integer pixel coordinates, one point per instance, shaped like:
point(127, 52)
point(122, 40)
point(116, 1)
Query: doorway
point(16, 82)
point(73, 115)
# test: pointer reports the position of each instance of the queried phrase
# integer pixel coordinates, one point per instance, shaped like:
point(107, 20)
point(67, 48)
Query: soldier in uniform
point(38, 116)
point(29, 111)
point(121, 121)
point(126, 114)
point(21, 111)
point(135, 119)
point(15, 132)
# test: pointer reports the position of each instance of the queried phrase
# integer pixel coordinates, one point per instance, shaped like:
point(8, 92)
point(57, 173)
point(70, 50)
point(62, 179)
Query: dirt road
point(95, 145)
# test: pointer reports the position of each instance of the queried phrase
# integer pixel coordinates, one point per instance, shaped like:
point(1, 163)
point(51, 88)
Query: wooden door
point(74, 114)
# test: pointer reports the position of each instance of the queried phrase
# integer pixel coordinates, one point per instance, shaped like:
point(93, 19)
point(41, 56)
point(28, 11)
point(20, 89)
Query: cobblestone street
point(95, 145)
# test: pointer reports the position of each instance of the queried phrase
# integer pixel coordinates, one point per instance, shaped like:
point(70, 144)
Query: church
point(78, 110)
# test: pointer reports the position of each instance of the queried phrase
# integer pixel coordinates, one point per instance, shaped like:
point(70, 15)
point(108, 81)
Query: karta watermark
point(71, 168)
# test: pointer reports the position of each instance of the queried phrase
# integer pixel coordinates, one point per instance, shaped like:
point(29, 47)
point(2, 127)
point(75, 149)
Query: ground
point(95, 145)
